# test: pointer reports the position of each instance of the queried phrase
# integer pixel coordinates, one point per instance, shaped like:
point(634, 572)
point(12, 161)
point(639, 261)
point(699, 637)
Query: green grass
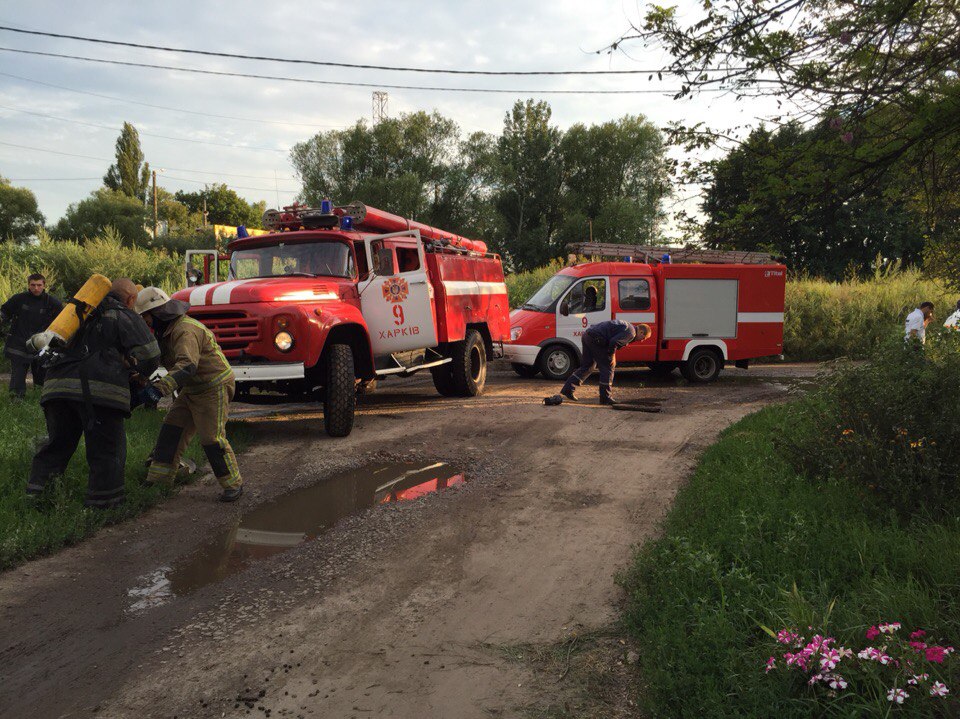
point(61, 520)
point(742, 533)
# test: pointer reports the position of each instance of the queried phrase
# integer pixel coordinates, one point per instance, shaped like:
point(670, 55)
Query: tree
point(529, 186)
point(19, 214)
point(401, 165)
point(881, 75)
point(223, 206)
point(130, 175)
point(104, 208)
point(750, 201)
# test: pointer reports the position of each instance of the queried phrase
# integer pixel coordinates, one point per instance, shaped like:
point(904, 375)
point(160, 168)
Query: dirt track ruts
point(394, 612)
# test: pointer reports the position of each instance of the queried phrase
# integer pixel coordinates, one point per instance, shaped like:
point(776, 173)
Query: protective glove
point(166, 385)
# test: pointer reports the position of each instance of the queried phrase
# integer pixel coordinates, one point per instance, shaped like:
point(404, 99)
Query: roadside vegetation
point(831, 516)
point(60, 519)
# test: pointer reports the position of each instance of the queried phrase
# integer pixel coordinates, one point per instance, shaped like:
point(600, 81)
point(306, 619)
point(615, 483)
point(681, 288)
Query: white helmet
point(149, 298)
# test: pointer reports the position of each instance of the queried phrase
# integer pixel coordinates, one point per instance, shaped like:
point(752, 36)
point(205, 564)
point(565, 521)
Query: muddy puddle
point(293, 518)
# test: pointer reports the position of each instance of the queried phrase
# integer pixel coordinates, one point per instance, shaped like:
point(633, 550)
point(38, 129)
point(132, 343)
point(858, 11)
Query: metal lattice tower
point(379, 106)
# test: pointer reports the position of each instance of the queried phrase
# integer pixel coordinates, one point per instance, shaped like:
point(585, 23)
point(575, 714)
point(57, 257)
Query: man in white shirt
point(953, 321)
point(916, 324)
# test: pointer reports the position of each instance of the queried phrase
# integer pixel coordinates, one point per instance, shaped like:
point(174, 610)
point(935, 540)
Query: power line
point(145, 134)
point(338, 83)
point(175, 169)
point(236, 187)
point(164, 107)
point(326, 63)
point(52, 179)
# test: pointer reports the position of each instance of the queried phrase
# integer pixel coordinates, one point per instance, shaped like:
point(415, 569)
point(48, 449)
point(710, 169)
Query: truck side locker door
point(636, 302)
point(398, 307)
point(580, 315)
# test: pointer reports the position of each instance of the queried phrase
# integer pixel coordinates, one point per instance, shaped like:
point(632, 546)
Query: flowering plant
point(891, 669)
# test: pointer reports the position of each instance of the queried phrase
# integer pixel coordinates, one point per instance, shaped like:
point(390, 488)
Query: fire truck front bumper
point(270, 372)
point(521, 354)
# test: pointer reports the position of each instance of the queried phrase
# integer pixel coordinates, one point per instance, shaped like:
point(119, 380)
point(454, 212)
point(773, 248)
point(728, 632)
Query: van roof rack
point(690, 253)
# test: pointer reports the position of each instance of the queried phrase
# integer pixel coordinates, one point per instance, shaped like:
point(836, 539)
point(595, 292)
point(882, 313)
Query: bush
point(67, 265)
point(889, 428)
point(521, 286)
point(751, 543)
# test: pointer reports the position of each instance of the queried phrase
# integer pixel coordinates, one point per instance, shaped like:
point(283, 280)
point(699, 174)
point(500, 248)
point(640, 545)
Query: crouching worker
point(599, 345)
point(197, 368)
point(87, 393)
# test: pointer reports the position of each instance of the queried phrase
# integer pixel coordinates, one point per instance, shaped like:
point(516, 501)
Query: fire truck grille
point(234, 331)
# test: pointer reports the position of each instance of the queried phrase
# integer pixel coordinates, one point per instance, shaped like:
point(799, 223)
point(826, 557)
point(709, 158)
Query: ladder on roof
point(689, 253)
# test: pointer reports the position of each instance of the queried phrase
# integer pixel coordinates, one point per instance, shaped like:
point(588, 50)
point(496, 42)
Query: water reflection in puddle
point(289, 520)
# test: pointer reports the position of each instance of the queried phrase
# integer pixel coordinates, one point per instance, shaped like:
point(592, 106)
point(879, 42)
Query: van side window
point(408, 259)
point(587, 296)
point(634, 294)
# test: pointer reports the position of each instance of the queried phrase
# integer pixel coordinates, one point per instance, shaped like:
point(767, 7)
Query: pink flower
point(917, 634)
point(897, 695)
point(829, 659)
point(918, 646)
point(771, 664)
point(785, 636)
point(935, 654)
point(814, 679)
point(889, 628)
point(837, 682)
point(872, 633)
point(917, 678)
point(939, 689)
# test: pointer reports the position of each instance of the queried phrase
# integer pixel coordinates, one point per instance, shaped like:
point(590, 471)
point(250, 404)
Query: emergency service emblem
point(395, 289)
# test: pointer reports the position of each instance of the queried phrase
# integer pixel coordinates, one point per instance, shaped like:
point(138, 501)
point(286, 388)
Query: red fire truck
point(700, 316)
point(335, 298)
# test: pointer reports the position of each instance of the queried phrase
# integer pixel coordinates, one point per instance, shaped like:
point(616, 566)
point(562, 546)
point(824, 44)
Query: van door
point(636, 302)
point(397, 301)
point(586, 303)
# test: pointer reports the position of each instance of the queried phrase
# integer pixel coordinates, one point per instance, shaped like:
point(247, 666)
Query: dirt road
point(401, 610)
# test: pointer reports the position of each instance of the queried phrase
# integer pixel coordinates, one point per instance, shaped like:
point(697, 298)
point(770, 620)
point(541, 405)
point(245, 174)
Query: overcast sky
point(270, 116)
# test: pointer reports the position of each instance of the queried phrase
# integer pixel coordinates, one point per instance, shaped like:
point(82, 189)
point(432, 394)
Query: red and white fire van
point(700, 316)
point(335, 298)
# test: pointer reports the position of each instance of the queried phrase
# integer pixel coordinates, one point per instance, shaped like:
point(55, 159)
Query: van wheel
point(557, 362)
point(703, 365)
point(469, 365)
point(443, 380)
point(339, 396)
point(525, 370)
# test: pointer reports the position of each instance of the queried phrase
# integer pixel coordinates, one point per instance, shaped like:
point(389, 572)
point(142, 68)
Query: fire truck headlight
point(283, 341)
point(515, 333)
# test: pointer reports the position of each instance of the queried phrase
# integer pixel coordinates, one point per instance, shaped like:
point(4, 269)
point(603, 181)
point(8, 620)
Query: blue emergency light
point(346, 222)
point(326, 207)
point(666, 258)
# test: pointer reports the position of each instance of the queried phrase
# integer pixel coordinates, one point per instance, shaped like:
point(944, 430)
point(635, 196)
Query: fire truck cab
point(700, 316)
point(335, 298)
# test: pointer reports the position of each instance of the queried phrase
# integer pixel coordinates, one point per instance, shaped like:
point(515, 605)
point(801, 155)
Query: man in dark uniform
point(600, 344)
point(87, 392)
point(28, 312)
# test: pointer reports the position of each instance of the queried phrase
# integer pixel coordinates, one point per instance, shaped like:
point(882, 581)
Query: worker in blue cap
point(599, 350)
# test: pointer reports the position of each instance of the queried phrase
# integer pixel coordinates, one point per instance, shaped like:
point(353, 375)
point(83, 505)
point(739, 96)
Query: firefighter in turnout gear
point(28, 313)
point(599, 345)
point(87, 393)
point(198, 371)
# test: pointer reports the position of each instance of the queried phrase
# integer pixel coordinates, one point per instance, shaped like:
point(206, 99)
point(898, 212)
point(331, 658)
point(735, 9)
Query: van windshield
point(545, 299)
point(329, 259)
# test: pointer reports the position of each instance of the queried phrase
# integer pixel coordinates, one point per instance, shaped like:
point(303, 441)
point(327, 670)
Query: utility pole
point(379, 106)
point(204, 211)
point(590, 224)
point(154, 205)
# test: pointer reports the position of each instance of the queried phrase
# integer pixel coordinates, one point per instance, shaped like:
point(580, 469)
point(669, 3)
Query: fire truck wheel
point(525, 370)
point(443, 380)
point(339, 396)
point(469, 364)
point(703, 365)
point(557, 362)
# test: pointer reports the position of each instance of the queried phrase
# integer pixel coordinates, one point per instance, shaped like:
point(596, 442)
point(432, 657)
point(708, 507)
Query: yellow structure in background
point(229, 232)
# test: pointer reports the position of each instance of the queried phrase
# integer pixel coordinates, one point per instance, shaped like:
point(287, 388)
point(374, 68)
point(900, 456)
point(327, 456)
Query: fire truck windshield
point(330, 259)
point(546, 297)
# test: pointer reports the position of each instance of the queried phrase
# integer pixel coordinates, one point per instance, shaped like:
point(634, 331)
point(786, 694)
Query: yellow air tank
point(66, 324)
